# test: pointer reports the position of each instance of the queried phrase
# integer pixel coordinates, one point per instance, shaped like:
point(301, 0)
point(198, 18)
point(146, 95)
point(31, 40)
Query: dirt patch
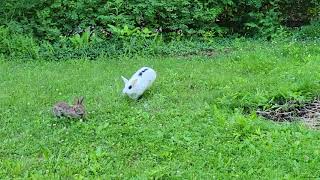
point(308, 112)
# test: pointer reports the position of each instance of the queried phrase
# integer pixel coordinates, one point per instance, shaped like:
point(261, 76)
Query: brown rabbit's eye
point(130, 87)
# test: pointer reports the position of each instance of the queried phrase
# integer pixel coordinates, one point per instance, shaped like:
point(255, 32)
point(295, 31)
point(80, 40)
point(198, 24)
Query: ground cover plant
point(197, 121)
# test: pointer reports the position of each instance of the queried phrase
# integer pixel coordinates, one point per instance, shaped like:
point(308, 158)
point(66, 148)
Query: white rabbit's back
point(146, 76)
point(142, 80)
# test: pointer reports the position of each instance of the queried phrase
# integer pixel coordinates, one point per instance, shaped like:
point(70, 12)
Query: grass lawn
point(197, 121)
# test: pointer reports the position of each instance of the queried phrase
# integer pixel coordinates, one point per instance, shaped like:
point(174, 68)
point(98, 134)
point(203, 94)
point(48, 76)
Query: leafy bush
point(51, 19)
point(81, 28)
point(17, 44)
point(311, 31)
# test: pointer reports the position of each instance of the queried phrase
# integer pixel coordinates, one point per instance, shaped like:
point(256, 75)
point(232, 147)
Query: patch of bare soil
point(308, 112)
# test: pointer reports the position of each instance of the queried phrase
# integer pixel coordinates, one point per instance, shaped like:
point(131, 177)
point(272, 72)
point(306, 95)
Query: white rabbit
point(139, 82)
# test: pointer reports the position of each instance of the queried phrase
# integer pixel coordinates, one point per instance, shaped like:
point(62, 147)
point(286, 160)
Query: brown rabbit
point(63, 109)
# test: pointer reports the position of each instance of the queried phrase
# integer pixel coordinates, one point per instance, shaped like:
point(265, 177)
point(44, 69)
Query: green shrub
point(311, 31)
point(13, 44)
point(50, 19)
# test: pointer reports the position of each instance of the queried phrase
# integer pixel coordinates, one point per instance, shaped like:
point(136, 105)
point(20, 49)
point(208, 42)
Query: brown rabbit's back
point(60, 109)
point(64, 109)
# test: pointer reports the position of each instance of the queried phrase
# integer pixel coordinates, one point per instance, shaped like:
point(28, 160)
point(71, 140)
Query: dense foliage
point(51, 18)
point(64, 29)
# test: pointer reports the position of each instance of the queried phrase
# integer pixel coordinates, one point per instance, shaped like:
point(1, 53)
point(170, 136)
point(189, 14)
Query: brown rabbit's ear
point(80, 100)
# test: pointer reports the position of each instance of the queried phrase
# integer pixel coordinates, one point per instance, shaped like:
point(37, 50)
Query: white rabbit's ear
point(124, 80)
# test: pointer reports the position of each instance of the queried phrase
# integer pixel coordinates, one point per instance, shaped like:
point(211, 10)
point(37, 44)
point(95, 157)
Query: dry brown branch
point(308, 112)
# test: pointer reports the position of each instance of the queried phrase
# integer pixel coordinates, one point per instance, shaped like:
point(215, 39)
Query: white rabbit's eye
point(130, 87)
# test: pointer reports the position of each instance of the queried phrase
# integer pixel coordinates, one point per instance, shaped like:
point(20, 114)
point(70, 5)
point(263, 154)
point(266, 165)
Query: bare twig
point(308, 112)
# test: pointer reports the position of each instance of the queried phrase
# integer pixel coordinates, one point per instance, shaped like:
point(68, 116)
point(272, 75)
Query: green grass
point(197, 121)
